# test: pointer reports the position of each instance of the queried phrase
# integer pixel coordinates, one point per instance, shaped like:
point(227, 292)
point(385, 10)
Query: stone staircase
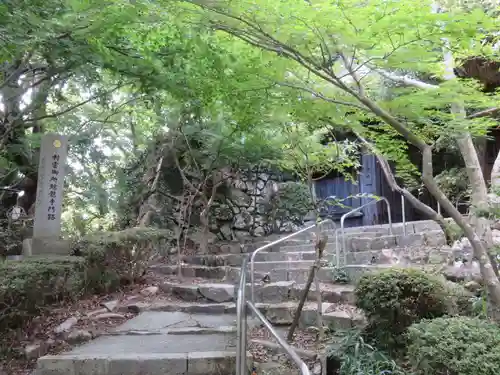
point(195, 332)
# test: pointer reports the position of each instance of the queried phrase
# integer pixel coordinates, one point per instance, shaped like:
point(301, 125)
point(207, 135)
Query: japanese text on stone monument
point(53, 154)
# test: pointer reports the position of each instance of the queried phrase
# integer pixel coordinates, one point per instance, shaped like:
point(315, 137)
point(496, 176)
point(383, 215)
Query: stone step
point(280, 291)
point(416, 227)
point(150, 344)
point(416, 255)
point(235, 260)
point(355, 272)
point(270, 267)
point(361, 242)
point(294, 266)
point(340, 316)
point(325, 275)
point(306, 251)
point(191, 363)
point(278, 271)
point(221, 273)
point(397, 228)
point(412, 227)
point(212, 260)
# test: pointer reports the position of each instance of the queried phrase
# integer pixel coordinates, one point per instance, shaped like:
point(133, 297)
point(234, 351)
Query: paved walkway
point(154, 343)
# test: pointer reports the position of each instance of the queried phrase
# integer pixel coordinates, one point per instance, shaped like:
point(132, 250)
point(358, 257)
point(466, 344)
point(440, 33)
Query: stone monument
point(49, 196)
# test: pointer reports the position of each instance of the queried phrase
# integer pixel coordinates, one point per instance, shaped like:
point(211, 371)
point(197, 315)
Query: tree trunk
point(495, 175)
point(479, 197)
point(414, 201)
point(149, 206)
point(320, 247)
point(267, 42)
point(481, 144)
point(480, 252)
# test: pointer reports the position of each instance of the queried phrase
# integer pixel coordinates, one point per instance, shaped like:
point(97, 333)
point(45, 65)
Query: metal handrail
point(342, 219)
point(274, 243)
point(241, 323)
point(241, 329)
point(287, 348)
point(403, 213)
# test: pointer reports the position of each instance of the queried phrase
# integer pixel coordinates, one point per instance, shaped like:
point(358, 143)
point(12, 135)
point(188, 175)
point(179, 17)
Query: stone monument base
point(48, 246)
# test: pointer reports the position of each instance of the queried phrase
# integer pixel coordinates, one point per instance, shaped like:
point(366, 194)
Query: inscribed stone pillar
point(49, 197)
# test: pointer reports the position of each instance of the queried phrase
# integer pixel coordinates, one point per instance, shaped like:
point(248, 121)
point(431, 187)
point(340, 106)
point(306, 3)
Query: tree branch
point(414, 201)
point(71, 108)
point(321, 96)
point(405, 80)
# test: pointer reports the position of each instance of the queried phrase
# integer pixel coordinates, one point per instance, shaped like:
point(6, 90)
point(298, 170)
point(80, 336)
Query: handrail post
point(241, 323)
point(344, 216)
point(403, 213)
point(344, 246)
point(389, 215)
point(281, 341)
point(269, 245)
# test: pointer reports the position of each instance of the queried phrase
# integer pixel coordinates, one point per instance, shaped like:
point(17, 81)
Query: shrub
point(454, 346)
point(396, 298)
point(293, 203)
point(459, 300)
point(119, 257)
point(27, 286)
point(104, 261)
point(354, 357)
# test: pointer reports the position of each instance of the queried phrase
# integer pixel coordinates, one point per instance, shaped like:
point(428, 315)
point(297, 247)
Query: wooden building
point(368, 180)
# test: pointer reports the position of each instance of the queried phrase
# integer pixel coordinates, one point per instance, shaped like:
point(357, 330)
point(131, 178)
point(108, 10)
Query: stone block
point(354, 272)
point(308, 316)
point(186, 292)
point(410, 240)
point(308, 255)
point(279, 275)
point(298, 275)
point(362, 257)
point(211, 363)
point(383, 242)
point(217, 292)
point(338, 320)
point(148, 364)
point(55, 365)
point(275, 292)
point(132, 365)
point(435, 238)
point(96, 366)
point(359, 244)
point(279, 314)
point(27, 247)
point(426, 226)
point(50, 245)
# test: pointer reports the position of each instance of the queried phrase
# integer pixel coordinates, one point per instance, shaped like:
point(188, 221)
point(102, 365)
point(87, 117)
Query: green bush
point(396, 298)
point(459, 300)
point(294, 202)
point(100, 263)
point(27, 286)
point(119, 257)
point(355, 357)
point(454, 346)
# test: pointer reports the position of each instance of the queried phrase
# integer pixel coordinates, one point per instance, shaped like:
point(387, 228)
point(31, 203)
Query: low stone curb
point(196, 363)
